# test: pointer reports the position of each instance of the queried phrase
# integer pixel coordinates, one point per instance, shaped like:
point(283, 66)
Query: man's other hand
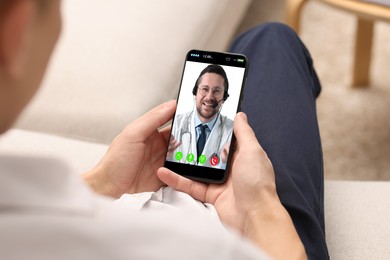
point(134, 156)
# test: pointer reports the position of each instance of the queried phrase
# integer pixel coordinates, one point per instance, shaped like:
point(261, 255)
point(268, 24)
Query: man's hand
point(134, 156)
point(251, 179)
point(248, 200)
point(225, 152)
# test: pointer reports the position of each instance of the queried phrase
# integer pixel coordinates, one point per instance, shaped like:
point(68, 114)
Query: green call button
point(179, 156)
point(190, 157)
point(202, 159)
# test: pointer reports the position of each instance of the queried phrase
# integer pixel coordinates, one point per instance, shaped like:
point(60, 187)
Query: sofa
point(116, 60)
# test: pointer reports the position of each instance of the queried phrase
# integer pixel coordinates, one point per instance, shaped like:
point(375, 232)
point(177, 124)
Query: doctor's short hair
point(217, 69)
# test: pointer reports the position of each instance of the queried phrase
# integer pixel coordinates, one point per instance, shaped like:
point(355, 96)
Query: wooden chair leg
point(293, 13)
point(363, 49)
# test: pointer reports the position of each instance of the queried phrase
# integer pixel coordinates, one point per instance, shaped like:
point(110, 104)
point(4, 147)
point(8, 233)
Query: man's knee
point(273, 34)
point(276, 33)
point(274, 29)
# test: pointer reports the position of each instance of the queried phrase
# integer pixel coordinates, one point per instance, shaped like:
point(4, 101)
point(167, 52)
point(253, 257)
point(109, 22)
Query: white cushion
point(117, 59)
point(80, 155)
point(357, 219)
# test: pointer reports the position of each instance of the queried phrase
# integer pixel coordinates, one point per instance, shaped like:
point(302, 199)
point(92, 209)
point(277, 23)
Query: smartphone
point(209, 97)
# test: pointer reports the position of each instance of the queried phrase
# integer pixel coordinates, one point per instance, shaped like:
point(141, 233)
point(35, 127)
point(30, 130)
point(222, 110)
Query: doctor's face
point(209, 97)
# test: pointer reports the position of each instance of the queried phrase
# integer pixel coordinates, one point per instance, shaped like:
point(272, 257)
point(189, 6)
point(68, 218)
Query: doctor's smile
point(209, 107)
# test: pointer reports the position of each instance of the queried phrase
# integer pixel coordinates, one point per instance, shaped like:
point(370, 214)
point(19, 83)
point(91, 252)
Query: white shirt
point(210, 125)
point(47, 212)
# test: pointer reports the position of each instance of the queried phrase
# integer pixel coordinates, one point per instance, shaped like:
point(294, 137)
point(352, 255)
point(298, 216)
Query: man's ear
point(15, 30)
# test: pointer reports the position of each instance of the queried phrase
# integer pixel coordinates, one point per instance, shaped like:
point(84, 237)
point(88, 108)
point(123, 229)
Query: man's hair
point(217, 69)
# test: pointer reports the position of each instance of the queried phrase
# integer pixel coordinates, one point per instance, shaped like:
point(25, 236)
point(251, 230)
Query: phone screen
point(202, 129)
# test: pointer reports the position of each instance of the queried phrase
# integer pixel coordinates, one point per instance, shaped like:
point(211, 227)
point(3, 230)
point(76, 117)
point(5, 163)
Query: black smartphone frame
point(202, 173)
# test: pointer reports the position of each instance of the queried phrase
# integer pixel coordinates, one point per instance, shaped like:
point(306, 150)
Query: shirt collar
point(209, 124)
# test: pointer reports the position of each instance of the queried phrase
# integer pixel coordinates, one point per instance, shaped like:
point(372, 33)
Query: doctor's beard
point(210, 105)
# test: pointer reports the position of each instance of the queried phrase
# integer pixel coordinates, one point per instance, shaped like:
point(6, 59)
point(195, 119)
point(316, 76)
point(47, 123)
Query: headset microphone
point(216, 103)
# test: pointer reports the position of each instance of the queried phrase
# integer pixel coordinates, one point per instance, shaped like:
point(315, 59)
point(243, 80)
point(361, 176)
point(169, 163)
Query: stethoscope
point(186, 129)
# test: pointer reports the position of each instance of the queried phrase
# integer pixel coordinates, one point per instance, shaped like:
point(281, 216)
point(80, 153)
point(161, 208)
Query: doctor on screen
point(203, 136)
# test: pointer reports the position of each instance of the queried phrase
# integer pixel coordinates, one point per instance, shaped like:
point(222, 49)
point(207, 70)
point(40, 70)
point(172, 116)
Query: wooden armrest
point(362, 9)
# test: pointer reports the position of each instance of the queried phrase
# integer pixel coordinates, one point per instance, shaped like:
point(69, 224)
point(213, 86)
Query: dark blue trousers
point(279, 100)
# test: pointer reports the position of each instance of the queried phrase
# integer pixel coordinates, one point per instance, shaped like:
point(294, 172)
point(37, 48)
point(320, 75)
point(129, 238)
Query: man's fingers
point(195, 189)
point(243, 132)
point(145, 125)
point(165, 132)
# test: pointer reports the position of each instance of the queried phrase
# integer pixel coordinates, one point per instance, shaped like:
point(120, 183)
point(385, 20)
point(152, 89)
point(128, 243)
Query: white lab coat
point(184, 122)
